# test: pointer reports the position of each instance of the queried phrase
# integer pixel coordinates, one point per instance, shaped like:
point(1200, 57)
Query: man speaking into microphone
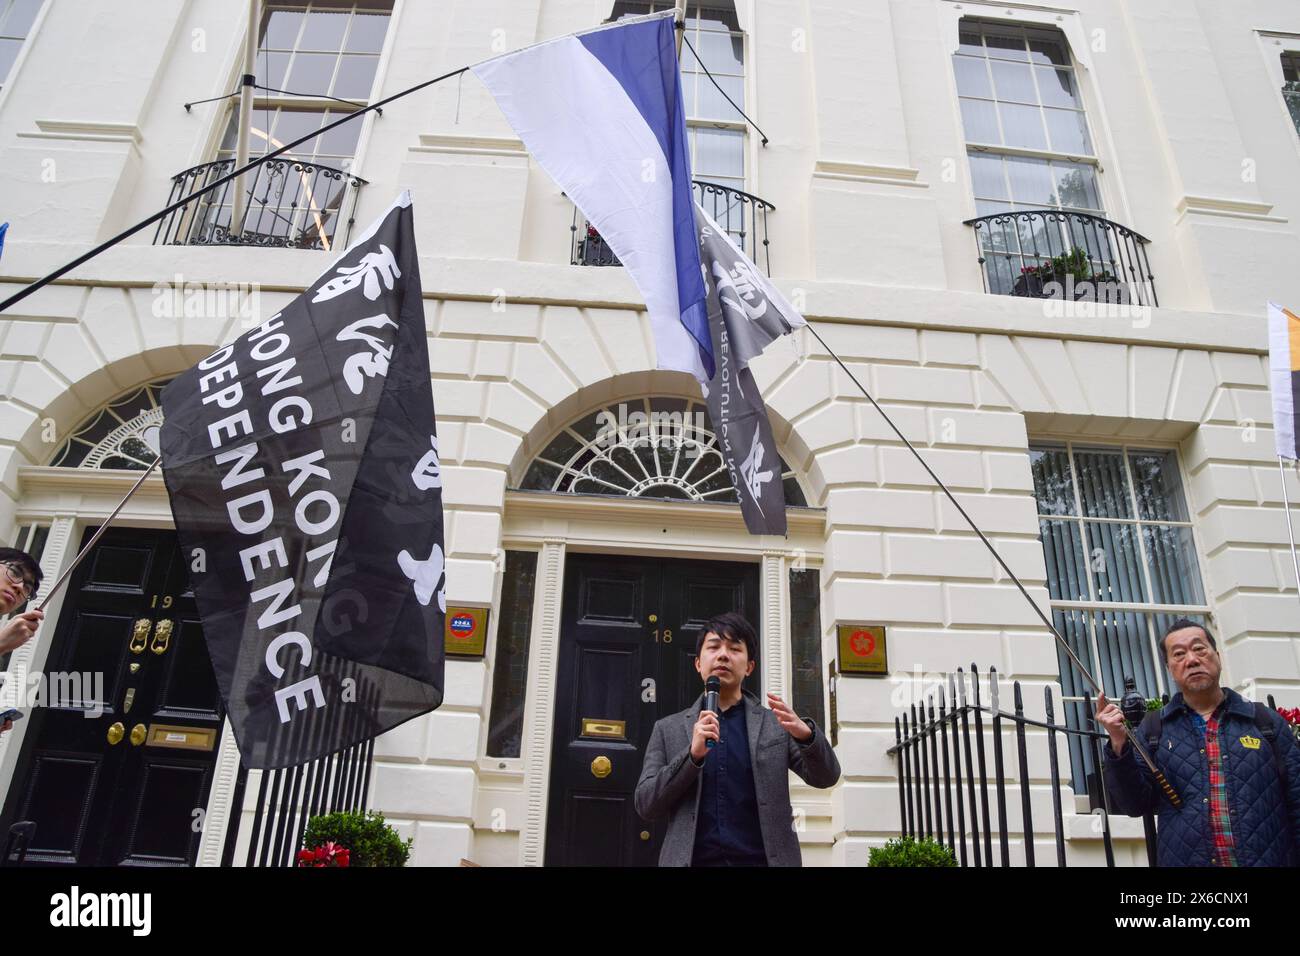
point(721, 776)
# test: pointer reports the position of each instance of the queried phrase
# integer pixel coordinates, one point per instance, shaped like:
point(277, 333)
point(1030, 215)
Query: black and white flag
point(746, 313)
point(302, 465)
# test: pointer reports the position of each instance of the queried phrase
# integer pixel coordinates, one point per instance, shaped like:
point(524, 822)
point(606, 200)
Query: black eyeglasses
point(16, 576)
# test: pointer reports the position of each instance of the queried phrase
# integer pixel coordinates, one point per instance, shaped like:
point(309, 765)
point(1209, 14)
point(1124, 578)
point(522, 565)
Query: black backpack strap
point(1268, 730)
point(1151, 728)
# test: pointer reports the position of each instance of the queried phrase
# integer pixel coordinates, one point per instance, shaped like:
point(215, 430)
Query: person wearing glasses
point(1234, 765)
point(21, 578)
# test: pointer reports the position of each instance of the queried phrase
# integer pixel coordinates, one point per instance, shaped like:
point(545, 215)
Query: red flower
point(591, 232)
point(327, 854)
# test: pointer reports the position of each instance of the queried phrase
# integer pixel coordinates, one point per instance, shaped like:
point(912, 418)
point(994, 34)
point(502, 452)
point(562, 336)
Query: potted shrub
point(906, 851)
point(352, 839)
point(1061, 269)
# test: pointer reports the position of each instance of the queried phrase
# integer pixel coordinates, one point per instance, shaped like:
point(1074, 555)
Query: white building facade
point(919, 163)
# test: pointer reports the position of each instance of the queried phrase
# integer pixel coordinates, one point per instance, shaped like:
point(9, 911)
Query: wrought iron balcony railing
point(741, 214)
point(1291, 94)
point(1054, 253)
point(288, 203)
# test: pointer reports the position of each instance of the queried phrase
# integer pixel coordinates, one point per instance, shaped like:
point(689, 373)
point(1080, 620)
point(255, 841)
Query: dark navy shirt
point(727, 832)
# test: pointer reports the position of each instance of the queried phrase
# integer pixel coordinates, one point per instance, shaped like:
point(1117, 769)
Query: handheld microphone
point(711, 688)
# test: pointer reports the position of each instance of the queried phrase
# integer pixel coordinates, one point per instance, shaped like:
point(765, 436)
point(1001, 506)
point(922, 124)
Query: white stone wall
point(867, 169)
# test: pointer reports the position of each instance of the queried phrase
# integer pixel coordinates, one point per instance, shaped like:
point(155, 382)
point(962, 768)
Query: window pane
point(980, 121)
point(987, 207)
point(719, 152)
point(311, 72)
point(367, 32)
point(1103, 486)
point(8, 53)
point(1068, 131)
point(356, 76)
point(1031, 181)
point(1171, 559)
point(711, 104)
point(1159, 486)
point(806, 645)
point(341, 141)
point(510, 667)
point(1053, 483)
point(1126, 650)
point(1067, 569)
point(1076, 185)
point(294, 124)
point(280, 29)
point(721, 52)
point(629, 8)
point(970, 42)
point(1056, 87)
point(1010, 46)
point(323, 31)
point(271, 67)
point(1042, 50)
point(1113, 558)
point(718, 16)
point(1073, 626)
point(987, 176)
point(972, 76)
point(1022, 126)
point(20, 19)
point(1013, 81)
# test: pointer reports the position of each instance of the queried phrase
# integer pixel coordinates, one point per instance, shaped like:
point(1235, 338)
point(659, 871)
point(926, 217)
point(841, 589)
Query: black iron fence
point(741, 214)
point(1053, 253)
point(288, 203)
point(945, 777)
point(289, 797)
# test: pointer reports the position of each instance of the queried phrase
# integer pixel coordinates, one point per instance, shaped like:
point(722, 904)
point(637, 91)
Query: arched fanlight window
point(122, 434)
point(654, 447)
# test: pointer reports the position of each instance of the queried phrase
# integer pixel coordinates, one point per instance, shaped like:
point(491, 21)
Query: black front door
point(627, 646)
point(117, 764)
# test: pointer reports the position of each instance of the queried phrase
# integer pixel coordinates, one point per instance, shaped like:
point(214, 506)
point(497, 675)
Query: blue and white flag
point(4, 228)
point(602, 113)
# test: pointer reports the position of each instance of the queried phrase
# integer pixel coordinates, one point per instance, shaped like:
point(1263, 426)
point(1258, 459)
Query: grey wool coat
point(670, 782)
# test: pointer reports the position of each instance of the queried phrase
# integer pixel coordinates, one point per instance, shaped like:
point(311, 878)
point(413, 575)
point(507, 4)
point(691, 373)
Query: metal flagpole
point(95, 537)
point(245, 114)
point(1290, 532)
point(679, 19)
point(1141, 750)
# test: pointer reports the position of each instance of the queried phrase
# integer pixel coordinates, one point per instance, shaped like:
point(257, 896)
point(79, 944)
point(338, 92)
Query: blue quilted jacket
point(1265, 812)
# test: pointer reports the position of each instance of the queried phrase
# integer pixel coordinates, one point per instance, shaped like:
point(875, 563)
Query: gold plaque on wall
point(465, 631)
point(862, 650)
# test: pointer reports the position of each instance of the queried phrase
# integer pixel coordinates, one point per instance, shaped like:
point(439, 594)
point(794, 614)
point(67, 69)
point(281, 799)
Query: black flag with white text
point(302, 465)
point(746, 313)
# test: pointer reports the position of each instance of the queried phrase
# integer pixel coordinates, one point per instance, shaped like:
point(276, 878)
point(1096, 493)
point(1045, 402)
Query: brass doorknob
point(137, 735)
point(645, 834)
point(115, 734)
point(601, 767)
